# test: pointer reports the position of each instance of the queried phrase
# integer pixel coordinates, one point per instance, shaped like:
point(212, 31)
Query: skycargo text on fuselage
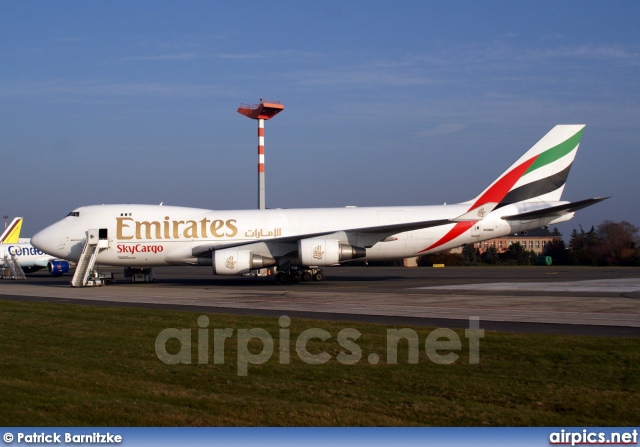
point(130, 229)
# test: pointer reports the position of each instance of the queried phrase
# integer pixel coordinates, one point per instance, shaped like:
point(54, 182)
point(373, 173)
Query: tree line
point(608, 244)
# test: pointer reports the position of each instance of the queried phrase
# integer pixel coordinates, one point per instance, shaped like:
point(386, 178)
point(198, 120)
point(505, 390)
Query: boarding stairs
point(85, 264)
point(15, 269)
point(84, 270)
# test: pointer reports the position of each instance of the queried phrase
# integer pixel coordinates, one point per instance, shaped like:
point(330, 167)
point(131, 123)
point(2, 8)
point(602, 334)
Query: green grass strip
point(74, 365)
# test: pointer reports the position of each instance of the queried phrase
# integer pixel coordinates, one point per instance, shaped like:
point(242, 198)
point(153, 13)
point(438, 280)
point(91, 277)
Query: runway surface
point(561, 300)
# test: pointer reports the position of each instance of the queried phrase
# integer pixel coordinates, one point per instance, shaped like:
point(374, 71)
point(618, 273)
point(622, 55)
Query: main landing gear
point(294, 275)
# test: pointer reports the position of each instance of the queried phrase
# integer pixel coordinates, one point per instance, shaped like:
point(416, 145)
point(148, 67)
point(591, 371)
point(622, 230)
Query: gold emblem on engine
point(230, 263)
point(317, 252)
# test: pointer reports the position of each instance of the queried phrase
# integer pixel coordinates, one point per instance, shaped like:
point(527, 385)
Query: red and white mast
point(265, 110)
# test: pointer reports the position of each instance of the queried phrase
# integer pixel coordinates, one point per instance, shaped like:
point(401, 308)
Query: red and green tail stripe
point(501, 191)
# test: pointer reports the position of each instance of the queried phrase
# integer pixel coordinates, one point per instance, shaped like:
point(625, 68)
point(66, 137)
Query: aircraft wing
point(554, 211)
point(380, 232)
point(396, 228)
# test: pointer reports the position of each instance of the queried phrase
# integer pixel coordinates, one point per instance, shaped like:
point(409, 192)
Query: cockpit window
point(74, 214)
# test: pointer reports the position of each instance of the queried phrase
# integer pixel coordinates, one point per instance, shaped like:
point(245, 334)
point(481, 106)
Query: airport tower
point(265, 110)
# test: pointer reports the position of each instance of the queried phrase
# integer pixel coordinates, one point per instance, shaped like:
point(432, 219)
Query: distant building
point(410, 262)
point(535, 240)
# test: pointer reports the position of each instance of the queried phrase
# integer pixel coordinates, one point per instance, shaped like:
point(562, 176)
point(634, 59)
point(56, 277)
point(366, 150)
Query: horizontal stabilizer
point(553, 211)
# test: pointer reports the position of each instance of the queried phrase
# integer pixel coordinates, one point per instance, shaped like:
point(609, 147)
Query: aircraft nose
point(47, 240)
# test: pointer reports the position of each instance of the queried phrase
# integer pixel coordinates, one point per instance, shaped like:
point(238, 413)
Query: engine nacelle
point(323, 252)
point(58, 267)
point(234, 261)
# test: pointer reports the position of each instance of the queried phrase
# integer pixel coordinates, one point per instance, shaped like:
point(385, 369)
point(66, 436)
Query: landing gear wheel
point(281, 277)
point(319, 276)
point(306, 276)
point(294, 277)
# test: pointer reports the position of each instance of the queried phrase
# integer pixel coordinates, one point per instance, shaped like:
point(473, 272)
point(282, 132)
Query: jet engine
point(58, 267)
point(234, 261)
point(322, 252)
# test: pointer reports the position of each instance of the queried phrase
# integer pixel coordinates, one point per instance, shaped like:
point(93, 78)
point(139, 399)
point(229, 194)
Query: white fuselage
point(29, 257)
point(154, 235)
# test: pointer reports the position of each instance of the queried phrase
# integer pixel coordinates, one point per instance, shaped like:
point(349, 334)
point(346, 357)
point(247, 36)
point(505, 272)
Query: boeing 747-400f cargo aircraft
point(299, 242)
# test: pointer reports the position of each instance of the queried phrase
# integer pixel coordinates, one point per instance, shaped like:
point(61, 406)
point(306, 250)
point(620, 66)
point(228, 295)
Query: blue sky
point(386, 103)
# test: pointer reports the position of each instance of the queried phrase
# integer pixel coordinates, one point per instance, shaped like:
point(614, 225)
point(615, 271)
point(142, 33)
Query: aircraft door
point(476, 229)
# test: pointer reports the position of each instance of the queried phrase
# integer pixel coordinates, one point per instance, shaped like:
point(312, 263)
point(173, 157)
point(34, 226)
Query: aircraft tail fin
point(11, 234)
point(539, 175)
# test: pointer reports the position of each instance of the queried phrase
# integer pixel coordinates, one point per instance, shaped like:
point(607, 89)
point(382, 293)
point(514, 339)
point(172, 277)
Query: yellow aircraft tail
point(11, 234)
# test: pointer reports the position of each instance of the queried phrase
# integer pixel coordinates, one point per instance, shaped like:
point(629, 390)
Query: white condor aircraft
point(301, 241)
point(30, 258)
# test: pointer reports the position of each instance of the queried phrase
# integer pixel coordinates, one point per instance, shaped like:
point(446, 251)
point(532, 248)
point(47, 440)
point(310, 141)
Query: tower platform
point(264, 110)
